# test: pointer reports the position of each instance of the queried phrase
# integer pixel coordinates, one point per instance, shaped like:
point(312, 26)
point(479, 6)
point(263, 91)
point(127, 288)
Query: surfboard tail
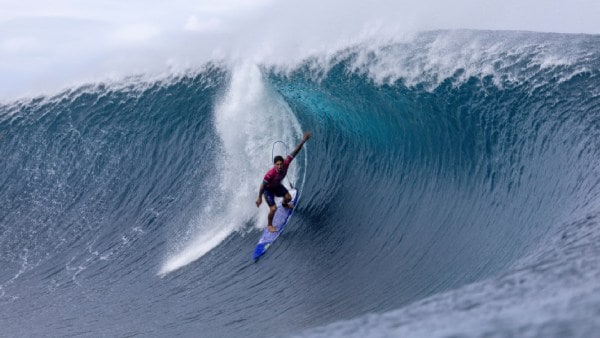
point(260, 250)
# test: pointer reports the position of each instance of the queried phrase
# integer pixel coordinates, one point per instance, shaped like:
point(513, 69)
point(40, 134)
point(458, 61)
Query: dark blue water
point(450, 179)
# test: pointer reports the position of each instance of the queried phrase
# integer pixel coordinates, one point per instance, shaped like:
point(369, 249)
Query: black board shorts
point(270, 194)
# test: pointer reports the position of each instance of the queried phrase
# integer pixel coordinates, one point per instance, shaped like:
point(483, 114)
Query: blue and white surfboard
point(280, 220)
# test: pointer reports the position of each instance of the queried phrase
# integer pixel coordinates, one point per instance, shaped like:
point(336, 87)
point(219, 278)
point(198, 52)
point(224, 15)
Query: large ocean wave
point(451, 176)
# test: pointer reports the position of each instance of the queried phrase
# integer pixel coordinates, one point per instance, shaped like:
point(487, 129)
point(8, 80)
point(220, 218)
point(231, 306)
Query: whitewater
point(451, 187)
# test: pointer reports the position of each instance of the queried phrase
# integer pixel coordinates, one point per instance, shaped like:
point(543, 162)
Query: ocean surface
point(451, 189)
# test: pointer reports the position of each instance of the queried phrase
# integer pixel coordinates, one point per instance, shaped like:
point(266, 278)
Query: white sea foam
point(249, 119)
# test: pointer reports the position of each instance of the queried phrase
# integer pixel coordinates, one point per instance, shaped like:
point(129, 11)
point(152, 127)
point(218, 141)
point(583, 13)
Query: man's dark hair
point(277, 158)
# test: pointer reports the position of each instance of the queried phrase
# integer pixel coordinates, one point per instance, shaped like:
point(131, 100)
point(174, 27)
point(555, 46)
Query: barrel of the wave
point(280, 220)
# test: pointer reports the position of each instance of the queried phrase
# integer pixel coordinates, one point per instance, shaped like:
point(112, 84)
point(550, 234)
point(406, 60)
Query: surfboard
point(280, 220)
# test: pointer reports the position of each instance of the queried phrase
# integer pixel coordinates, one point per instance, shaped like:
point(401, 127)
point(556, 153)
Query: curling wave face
point(436, 164)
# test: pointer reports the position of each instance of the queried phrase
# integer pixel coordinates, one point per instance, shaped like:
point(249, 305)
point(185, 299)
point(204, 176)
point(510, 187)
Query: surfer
point(271, 185)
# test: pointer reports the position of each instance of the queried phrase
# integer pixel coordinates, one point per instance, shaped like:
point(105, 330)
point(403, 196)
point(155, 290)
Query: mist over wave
point(46, 48)
point(451, 175)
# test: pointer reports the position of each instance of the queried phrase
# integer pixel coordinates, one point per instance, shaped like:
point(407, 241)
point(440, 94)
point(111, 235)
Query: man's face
point(279, 165)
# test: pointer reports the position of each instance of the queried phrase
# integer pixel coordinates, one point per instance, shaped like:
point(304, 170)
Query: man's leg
point(287, 199)
point(272, 210)
point(270, 199)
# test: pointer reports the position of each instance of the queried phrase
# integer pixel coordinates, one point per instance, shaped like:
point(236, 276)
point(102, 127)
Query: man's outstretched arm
point(307, 135)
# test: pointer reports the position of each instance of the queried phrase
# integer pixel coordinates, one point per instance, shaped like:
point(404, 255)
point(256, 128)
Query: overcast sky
point(47, 45)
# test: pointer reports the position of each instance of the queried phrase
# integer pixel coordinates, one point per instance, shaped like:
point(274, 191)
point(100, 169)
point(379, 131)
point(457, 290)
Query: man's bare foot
point(288, 205)
point(272, 228)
